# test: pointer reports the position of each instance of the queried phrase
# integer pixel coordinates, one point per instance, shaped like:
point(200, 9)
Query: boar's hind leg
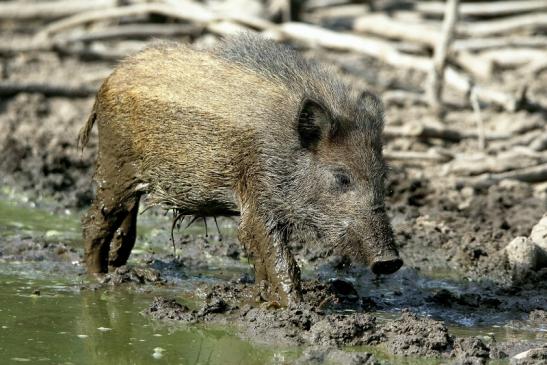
point(272, 261)
point(124, 238)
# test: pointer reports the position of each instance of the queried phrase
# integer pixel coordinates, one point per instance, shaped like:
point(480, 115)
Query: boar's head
point(336, 190)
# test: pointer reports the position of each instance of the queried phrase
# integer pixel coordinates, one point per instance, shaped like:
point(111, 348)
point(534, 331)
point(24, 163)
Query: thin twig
point(480, 125)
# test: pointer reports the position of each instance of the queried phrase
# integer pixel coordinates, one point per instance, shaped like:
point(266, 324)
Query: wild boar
point(250, 128)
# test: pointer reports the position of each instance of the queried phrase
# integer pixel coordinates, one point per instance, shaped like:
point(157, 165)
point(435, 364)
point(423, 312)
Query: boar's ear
point(313, 122)
point(372, 103)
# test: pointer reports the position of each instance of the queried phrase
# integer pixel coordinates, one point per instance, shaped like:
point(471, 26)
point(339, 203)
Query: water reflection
point(102, 327)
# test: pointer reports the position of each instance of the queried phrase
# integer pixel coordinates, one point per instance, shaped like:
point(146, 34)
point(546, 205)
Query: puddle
point(28, 221)
point(63, 325)
point(45, 316)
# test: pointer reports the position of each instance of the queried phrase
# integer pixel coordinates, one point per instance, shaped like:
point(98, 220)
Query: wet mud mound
point(304, 324)
point(322, 355)
point(464, 229)
point(30, 249)
point(38, 148)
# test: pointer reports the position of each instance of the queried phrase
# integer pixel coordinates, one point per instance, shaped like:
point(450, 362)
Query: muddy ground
point(445, 231)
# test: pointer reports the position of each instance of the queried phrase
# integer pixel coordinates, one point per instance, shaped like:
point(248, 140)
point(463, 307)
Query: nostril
point(386, 266)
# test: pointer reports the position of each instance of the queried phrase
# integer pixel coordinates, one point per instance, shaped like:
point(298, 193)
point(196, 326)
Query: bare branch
point(436, 76)
point(15, 10)
point(11, 88)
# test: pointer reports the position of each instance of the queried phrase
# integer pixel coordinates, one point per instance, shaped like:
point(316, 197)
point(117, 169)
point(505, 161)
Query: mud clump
point(464, 227)
point(470, 351)
point(29, 249)
point(413, 336)
point(450, 299)
point(214, 305)
point(336, 294)
point(39, 136)
point(282, 326)
point(132, 275)
point(535, 356)
point(169, 309)
point(538, 316)
point(307, 325)
point(345, 330)
point(320, 355)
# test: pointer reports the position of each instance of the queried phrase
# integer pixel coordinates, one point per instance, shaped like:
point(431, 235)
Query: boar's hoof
point(386, 266)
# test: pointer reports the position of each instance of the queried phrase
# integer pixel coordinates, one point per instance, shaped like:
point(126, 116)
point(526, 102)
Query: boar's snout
point(386, 265)
point(377, 245)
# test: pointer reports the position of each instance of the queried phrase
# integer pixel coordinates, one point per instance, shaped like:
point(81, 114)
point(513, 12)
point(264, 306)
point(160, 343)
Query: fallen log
point(185, 10)
point(15, 46)
point(421, 131)
point(94, 53)
point(428, 33)
point(514, 57)
point(348, 11)
point(136, 31)
point(226, 28)
point(317, 4)
point(499, 98)
point(403, 97)
point(16, 10)
point(472, 165)
point(314, 36)
point(480, 44)
point(533, 174)
point(432, 155)
point(505, 25)
point(535, 68)
point(417, 28)
point(487, 8)
point(524, 139)
point(192, 14)
point(479, 67)
point(423, 34)
point(438, 131)
point(540, 142)
point(11, 88)
point(386, 26)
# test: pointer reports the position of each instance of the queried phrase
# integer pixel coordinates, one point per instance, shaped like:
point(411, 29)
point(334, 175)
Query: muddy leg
point(116, 202)
point(99, 225)
point(272, 261)
point(124, 238)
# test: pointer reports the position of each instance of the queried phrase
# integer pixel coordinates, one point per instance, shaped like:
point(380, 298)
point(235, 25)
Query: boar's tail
point(83, 136)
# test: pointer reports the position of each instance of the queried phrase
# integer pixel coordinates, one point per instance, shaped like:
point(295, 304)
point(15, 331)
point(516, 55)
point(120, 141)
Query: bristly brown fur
point(249, 128)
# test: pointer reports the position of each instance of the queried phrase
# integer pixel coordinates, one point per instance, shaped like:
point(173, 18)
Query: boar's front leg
point(115, 206)
point(124, 239)
point(272, 259)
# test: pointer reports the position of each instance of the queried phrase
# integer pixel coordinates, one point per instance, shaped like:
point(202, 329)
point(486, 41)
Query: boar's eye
point(343, 180)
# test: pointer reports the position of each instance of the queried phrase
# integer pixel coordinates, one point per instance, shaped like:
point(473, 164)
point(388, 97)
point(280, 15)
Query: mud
point(40, 154)
point(30, 249)
point(343, 304)
point(307, 325)
point(456, 299)
point(320, 355)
